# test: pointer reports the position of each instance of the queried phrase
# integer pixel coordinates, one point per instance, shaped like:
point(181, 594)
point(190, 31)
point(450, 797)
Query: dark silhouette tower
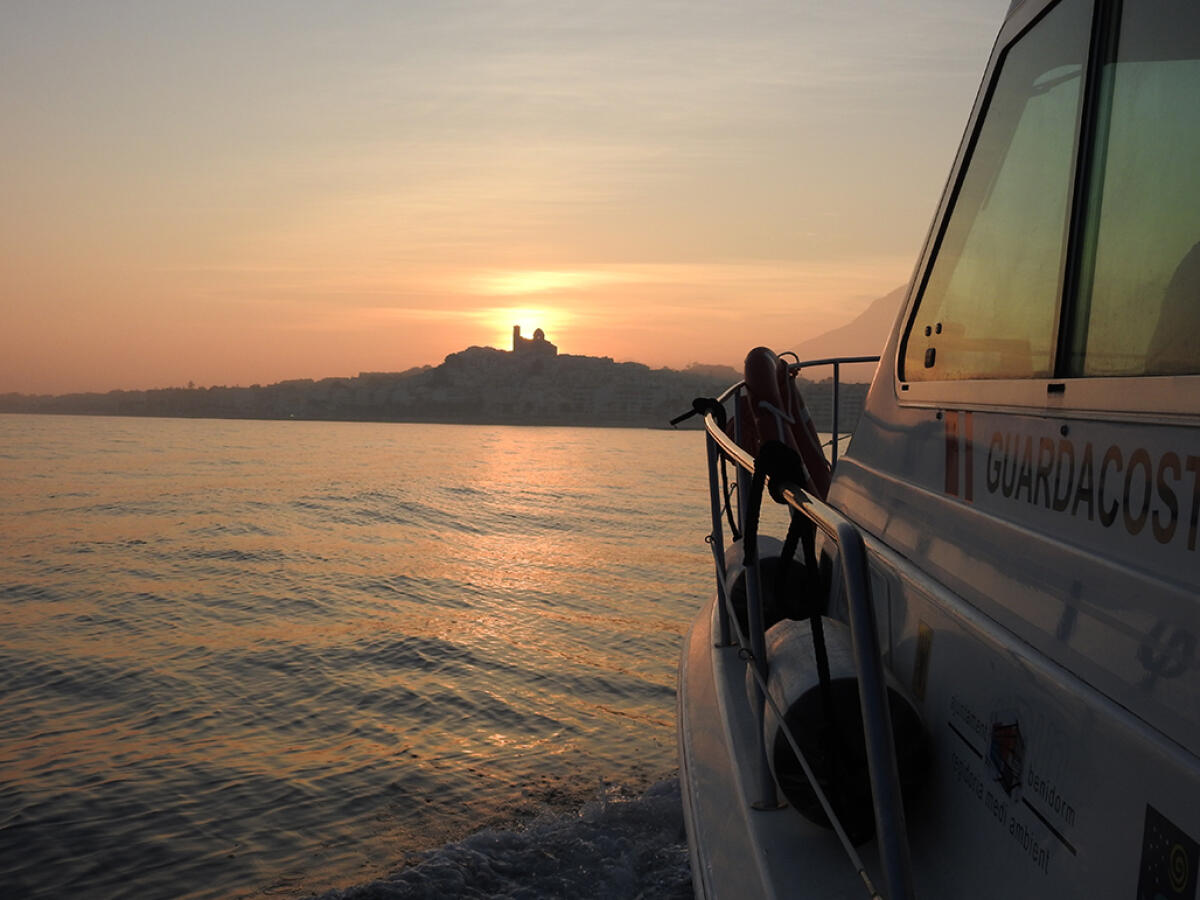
point(535, 346)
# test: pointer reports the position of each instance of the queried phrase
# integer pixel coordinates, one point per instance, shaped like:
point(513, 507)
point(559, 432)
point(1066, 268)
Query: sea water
point(245, 659)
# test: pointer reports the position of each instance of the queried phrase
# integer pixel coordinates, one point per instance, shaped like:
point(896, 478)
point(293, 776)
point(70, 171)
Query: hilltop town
point(531, 384)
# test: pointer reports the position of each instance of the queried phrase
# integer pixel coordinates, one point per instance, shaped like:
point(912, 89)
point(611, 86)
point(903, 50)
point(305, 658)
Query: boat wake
point(613, 847)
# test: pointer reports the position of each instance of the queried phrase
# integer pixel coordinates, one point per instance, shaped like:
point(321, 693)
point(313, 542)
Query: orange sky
point(231, 193)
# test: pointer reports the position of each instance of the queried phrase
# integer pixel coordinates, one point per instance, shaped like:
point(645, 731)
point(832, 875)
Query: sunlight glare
point(519, 282)
point(552, 321)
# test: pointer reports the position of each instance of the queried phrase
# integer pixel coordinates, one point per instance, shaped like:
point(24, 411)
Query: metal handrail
point(781, 716)
point(881, 755)
point(795, 368)
point(836, 362)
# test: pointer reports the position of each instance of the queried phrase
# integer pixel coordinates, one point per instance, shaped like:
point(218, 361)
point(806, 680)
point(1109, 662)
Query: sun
point(553, 321)
point(539, 298)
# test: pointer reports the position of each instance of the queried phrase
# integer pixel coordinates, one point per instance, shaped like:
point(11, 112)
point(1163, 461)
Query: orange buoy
point(772, 408)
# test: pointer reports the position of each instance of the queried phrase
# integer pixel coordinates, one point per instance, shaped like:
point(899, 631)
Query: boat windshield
point(1139, 309)
point(993, 303)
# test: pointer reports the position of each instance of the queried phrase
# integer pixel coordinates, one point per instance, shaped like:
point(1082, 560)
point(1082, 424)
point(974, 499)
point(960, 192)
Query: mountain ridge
point(864, 335)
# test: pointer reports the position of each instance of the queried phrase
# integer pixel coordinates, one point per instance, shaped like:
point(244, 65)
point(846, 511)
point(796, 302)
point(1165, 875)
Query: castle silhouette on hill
point(533, 384)
point(536, 346)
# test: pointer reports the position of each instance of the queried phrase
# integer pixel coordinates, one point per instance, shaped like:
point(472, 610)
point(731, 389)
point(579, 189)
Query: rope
point(746, 654)
point(801, 531)
point(734, 532)
point(855, 859)
point(780, 417)
point(782, 463)
point(790, 543)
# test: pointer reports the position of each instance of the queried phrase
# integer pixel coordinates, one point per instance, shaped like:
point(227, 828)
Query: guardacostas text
point(1128, 488)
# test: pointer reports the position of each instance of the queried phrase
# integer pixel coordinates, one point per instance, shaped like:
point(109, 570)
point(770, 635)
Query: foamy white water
point(618, 847)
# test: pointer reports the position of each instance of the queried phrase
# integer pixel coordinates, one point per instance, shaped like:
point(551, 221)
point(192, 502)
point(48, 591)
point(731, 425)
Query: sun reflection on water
point(259, 648)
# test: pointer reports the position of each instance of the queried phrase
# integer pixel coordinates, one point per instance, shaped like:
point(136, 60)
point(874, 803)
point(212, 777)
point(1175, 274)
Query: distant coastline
point(478, 386)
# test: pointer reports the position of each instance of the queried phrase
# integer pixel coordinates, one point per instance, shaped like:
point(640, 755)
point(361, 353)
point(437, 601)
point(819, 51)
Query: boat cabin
point(1024, 491)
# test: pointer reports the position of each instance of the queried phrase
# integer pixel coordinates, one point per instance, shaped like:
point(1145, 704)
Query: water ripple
point(283, 657)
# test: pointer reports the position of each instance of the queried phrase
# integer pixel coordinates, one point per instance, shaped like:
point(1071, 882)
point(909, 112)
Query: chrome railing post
point(739, 438)
point(835, 361)
point(767, 796)
point(836, 384)
point(876, 717)
point(717, 539)
point(891, 829)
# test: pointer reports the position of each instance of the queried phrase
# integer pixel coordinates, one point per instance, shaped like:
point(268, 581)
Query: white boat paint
point(1033, 557)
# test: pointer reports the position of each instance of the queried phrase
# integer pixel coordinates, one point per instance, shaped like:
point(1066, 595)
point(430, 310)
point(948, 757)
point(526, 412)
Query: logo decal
point(1006, 752)
point(1169, 860)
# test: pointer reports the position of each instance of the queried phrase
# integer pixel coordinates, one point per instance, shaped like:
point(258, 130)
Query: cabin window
point(990, 301)
point(1139, 309)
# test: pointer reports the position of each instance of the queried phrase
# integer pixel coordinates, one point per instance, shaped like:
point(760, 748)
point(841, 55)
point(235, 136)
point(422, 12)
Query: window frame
point(1138, 397)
